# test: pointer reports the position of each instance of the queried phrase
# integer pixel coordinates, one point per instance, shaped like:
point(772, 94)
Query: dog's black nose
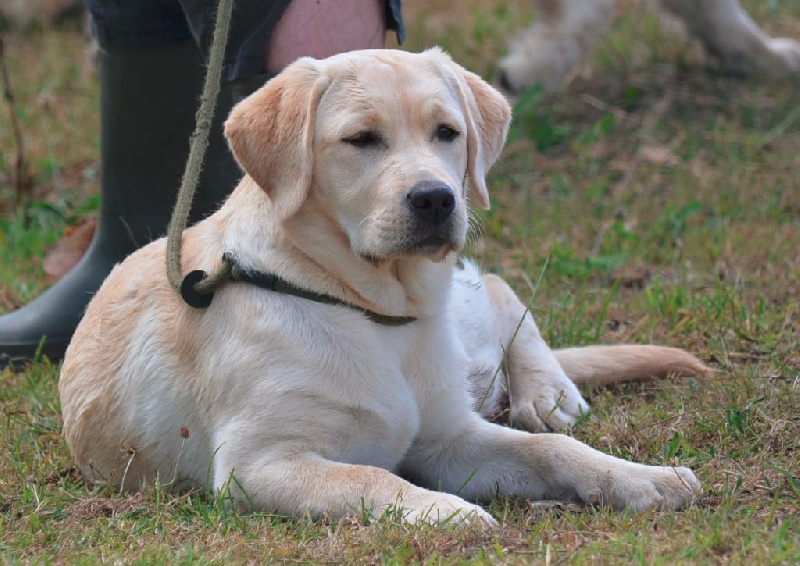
point(431, 201)
point(505, 83)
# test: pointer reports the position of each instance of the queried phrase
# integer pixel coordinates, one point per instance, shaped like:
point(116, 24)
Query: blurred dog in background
point(566, 31)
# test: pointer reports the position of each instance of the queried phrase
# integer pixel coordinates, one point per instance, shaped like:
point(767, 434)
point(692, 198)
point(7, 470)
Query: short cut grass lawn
point(655, 200)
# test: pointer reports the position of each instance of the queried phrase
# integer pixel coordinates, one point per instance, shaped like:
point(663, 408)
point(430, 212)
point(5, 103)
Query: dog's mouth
point(434, 247)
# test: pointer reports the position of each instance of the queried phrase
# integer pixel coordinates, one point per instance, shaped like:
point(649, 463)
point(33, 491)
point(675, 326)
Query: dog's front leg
point(309, 485)
point(484, 460)
point(563, 33)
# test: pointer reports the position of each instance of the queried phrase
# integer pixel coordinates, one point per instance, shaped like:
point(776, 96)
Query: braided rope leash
point(205, 284)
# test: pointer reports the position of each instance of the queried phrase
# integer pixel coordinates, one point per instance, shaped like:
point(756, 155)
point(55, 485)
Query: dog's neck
point(311, 251)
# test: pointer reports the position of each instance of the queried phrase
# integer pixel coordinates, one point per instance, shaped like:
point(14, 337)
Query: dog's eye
point(364, 139)
point(446, 133)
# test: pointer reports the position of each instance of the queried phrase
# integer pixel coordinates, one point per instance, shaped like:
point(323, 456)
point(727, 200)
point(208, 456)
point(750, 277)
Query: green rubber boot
point(148, 101)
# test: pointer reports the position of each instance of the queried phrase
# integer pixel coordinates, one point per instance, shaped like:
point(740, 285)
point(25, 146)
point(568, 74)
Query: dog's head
point(391, 145)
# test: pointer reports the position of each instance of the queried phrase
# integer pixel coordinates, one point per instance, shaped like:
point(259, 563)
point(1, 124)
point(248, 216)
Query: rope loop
point(199, 284)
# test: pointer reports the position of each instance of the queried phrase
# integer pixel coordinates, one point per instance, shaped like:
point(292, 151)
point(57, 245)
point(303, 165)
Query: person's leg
point(150, 72)
point(147, 105)
point(321, 28)
point(267, 36)
point(151, 75)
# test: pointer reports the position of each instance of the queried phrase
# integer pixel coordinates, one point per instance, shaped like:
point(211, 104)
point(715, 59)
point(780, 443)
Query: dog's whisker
point(475, 227)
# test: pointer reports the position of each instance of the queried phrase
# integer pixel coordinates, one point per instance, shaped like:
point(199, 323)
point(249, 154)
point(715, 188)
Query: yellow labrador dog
point(354, 382)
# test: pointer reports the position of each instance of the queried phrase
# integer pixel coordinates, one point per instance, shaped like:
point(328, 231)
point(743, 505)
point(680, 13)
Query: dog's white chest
point(337, 387)
point(385, 416)
point(381, 438)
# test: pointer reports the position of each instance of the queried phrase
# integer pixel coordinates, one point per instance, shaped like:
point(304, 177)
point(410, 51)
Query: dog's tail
point(604, 365)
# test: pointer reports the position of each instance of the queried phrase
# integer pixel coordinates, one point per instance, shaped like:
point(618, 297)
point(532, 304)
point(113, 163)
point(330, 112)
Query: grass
point(664, 200)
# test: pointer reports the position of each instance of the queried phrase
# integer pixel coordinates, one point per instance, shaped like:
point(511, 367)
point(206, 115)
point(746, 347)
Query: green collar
point(272, 282)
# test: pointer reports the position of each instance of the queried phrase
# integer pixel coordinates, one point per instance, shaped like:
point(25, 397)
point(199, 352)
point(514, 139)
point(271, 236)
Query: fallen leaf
point(70, 248)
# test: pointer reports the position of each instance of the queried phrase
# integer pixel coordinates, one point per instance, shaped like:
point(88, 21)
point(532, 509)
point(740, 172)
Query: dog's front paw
point(647, 487)
point(554, 405)
point(445, 509)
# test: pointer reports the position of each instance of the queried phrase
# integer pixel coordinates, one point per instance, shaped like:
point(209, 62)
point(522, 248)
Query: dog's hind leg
point(564, 32)
point(541, 395)
point(495, 327)
point(509, 364)
point(728, 32)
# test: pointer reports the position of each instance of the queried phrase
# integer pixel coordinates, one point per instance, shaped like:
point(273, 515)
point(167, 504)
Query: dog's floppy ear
point(270, 133)
point(488, 116)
